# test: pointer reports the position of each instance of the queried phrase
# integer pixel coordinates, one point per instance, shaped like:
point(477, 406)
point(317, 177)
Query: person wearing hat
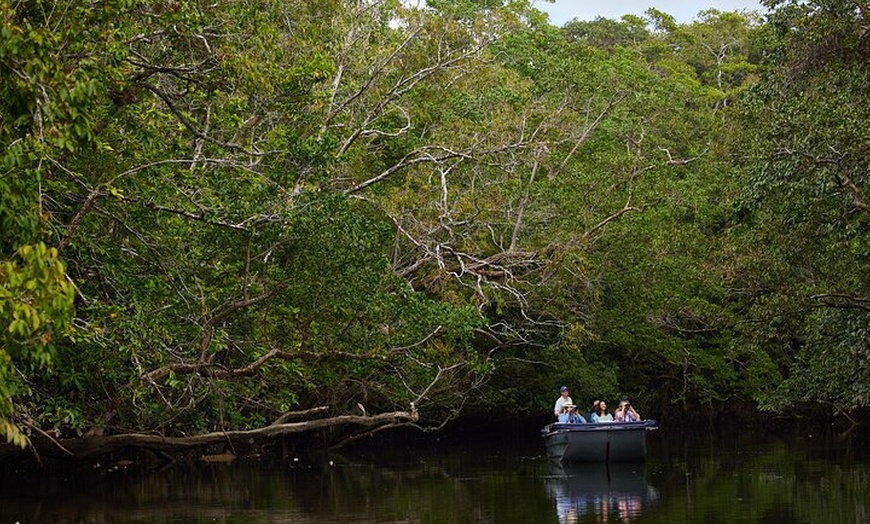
point(561, 401)
point(570, 415)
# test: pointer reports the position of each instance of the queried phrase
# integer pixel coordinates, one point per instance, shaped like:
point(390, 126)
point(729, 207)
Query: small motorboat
point(597, 441)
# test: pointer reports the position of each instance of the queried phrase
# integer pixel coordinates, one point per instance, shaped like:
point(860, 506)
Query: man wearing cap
point(561, 401)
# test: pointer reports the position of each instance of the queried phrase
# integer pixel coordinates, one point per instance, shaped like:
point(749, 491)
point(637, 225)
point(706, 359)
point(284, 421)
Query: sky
point(562, 11)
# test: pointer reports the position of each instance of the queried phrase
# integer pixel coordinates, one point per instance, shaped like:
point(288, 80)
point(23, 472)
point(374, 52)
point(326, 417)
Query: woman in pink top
point(626, 413)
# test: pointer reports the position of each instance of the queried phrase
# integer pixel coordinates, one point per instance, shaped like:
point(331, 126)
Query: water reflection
point(616, 491)
point(713, 479)
point(454, 487)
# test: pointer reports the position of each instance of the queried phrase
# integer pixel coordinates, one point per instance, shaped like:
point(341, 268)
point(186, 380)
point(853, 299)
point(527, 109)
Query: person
point(594, 410)
point(625, 412)
point(561, 401)
point(569, 414)
point(602, 415)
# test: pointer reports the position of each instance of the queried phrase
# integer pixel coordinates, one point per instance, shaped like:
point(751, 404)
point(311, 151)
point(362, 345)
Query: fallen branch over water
point(92, 446)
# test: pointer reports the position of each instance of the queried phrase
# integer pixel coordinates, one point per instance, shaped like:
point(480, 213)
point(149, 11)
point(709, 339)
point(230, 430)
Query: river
point(791, 476)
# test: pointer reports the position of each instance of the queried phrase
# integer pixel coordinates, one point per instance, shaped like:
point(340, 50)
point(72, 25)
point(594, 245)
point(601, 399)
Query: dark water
point(707, 478)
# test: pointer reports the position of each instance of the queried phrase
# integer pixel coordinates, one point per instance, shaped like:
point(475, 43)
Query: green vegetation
point(263, 208)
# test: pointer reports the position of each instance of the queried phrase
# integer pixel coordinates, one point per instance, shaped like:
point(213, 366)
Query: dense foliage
point(806, 176)
point(266, 207)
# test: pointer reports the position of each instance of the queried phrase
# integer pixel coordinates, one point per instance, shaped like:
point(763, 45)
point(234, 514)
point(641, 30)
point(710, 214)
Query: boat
point(597, 441)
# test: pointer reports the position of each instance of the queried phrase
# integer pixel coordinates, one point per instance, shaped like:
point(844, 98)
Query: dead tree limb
point(95, 446)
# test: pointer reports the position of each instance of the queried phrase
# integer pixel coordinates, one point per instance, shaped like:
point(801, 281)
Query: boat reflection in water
point(599, 491)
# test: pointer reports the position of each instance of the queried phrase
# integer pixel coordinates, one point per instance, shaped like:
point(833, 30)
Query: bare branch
point(414, 157)
point(304, 414)
point(367, 434)
point(373, 75)
point(409, 82)
point(679, 162)
point(191, 127)
point(93, 446)
point(842, 300)
point(589, 127)
point(438, 376)
point(857, 195)
point(515, 236)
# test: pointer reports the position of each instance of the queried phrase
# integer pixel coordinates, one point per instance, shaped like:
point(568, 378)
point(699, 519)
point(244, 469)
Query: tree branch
point(96, 446)
point(842, 300)
point(187, 123)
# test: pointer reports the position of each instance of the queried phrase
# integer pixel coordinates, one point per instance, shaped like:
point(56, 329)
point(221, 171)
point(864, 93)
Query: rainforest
point(235, 220)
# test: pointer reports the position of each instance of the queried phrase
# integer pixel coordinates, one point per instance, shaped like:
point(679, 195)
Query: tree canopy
point(219, 216)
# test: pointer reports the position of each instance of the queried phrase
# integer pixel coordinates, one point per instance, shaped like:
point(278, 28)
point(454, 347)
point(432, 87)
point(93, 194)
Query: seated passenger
point(625, 412)
point(602, 415)
point(594, 410)
point(570, 415)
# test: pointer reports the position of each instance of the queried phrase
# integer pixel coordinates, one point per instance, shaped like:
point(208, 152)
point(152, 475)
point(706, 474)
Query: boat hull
point(597, 442)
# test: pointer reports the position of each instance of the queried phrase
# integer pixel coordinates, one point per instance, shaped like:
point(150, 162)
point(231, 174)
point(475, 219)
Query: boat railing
point(647, 425)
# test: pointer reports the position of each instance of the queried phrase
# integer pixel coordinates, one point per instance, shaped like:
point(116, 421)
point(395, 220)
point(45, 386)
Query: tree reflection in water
point(703, 477)
point(599, 489)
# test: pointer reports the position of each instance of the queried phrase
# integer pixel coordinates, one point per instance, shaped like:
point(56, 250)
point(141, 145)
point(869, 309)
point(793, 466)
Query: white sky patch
point(562, 11)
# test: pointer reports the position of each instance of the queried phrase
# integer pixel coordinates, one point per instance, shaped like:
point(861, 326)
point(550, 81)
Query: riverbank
point(480, 428)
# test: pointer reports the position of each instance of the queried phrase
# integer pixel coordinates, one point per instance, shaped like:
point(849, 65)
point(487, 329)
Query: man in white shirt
point(561, 401)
